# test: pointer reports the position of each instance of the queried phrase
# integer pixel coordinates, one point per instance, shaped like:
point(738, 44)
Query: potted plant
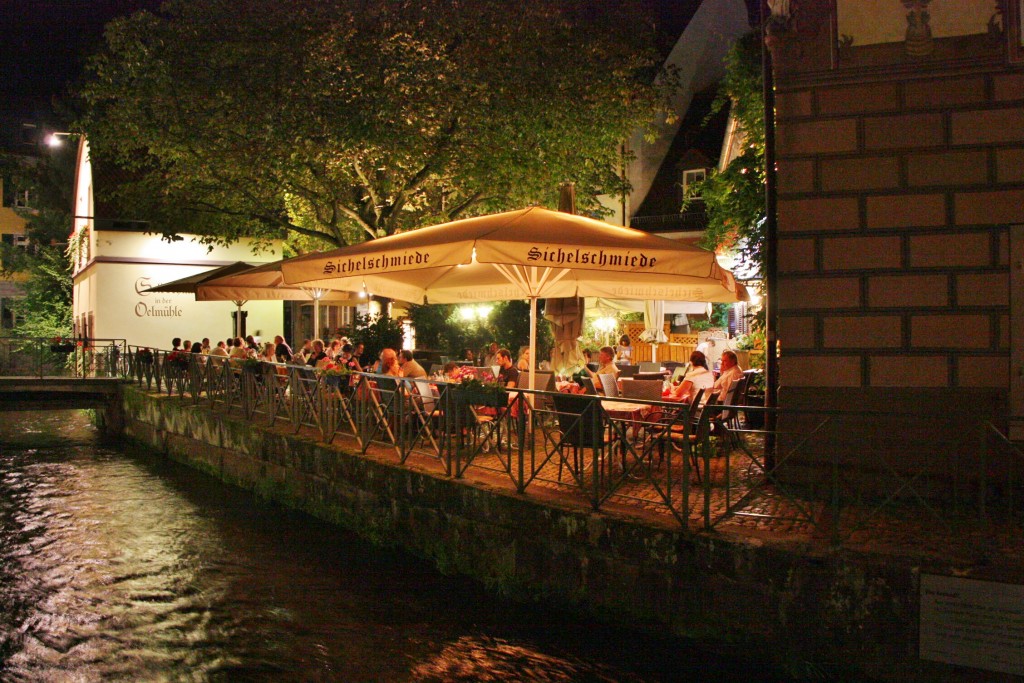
point(62, 345)
point(333, 373)
point(478, 390)
point(177, 360)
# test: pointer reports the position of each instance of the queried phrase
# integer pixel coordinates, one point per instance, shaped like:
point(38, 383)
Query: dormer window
point(692, 177)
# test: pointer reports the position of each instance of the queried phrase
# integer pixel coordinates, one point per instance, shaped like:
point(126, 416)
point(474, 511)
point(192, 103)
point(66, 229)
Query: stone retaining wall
point(806, 611)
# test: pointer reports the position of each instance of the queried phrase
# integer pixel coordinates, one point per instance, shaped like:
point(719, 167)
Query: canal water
point(118, 565)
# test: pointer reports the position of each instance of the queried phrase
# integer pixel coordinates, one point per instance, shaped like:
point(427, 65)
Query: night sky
point(44, 43)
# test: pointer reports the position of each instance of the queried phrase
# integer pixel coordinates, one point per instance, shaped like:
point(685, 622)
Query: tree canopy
point(43, 266)
point(342, 120)
point(735, 196)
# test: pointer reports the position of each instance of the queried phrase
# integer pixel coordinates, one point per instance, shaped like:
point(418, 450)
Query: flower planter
point(62, 348)
point(493, 398)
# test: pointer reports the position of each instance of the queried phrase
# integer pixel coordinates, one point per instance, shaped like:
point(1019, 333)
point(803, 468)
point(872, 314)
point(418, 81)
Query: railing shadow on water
point(79, 357)
point(837, 478)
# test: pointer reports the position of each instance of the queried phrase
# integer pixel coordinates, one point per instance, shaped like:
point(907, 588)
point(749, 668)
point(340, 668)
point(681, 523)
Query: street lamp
point(56, 138)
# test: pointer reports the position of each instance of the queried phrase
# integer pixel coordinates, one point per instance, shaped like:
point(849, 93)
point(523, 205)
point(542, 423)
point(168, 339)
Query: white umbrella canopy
point(526, 254)
point(191, 283)
point(566, 318)
point(654, 325)
point(265, 283)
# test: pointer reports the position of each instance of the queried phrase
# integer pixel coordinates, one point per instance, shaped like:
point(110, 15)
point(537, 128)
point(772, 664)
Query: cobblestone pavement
point(731, 496)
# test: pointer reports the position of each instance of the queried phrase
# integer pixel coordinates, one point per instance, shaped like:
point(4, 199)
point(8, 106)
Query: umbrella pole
point(533, 347)
point(238, 318)
point(316, 317)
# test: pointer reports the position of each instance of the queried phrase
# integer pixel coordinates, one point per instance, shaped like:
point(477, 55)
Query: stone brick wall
point(802, 608)
point(897, 186)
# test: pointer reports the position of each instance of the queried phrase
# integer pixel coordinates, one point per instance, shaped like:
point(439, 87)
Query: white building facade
point(114, 265)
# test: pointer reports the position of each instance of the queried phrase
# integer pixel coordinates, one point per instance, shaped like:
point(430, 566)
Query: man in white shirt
point(606, 364)
point(731, 372)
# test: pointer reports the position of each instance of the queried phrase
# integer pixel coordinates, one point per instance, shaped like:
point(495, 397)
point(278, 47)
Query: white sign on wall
point(972, 623)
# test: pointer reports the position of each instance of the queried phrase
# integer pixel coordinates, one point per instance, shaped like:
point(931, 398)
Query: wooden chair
point(643, 389)
point(581, 425)
point(609, 384)
point(628, 370)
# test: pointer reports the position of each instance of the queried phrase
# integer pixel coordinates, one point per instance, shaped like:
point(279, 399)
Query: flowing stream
point(117, 565)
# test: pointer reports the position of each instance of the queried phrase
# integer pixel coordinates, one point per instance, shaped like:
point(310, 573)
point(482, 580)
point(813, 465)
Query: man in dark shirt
point(282, 350)
point(508, 376)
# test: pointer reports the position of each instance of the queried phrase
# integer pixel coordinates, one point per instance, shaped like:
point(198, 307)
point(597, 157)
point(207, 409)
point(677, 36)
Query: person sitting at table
point(606, 365)
point(731, 371)
point(389, 363)
point(348, 360)
point(220, 349)
point(699, 377)
point(491, 357)
point(508, 375)
point(467, 355)
point(318, 353)
point(410, 368)
point(523, 364)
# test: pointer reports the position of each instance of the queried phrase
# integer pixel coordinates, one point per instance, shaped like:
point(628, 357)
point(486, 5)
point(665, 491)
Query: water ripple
point(118, 566)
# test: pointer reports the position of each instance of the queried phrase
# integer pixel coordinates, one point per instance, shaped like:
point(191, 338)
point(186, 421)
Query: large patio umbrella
point(526, 254)
point(566, 318)
point(191, 283)
point(654, 325)
point(265, 283)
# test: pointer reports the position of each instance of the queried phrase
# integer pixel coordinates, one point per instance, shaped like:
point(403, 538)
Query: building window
point(29, 134)
point(692, 177)
point(22, 199)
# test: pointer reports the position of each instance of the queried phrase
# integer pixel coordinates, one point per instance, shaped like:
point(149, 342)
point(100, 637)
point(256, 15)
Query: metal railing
point(838, 477)
point(61, 357)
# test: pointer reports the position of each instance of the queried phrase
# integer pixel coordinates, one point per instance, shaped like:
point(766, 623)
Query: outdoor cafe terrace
point(929, 489)
point(925, 485)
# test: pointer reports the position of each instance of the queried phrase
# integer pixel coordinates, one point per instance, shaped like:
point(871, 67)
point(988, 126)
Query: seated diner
point(699, 377)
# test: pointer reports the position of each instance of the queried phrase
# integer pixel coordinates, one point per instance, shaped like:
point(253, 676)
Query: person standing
point(624, 351)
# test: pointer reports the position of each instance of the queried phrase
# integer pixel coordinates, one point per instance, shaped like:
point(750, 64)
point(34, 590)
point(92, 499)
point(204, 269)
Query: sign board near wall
point(972, 623)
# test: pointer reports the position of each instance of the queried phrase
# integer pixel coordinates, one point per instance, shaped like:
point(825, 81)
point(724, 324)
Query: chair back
point(679, 374)
point(608, 383)
point(736, 390)
point(588, 385)
point(628, 370)
point(660, 376)
point(643, 389)
point(423, 394)
point(576, 420)
point(650, 367)
point(435, 368)
point(545, 381)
